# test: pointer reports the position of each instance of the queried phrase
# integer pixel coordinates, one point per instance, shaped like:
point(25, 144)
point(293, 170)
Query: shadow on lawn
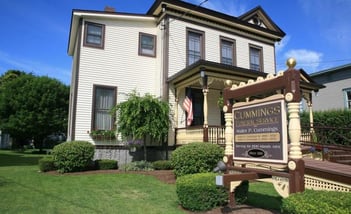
point(264, 201)
point(13, 158)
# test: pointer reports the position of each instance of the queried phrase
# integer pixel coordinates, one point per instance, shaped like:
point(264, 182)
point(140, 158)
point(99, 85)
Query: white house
point(174, 48)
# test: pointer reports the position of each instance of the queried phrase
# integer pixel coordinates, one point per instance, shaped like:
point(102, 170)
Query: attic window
point(94, 35)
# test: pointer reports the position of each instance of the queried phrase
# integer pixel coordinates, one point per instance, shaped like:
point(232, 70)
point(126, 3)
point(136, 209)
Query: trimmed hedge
point(315, 202)
point(196, 158)
point(106, 164)
point(46, 164)
point(73, 156)
point(162, 165)
point(198, 192)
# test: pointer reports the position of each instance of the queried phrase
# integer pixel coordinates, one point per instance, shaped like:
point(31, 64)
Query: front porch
point(206, 80)
point(213, 134)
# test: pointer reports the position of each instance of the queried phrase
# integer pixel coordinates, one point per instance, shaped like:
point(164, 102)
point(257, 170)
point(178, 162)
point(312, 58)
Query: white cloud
point(279, 46)
point(306, 59)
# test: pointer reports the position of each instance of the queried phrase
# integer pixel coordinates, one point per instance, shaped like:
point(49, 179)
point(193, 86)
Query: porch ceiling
point(217, 74)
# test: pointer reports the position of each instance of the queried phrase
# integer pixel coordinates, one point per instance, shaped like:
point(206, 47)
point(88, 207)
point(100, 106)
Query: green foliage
point(138, 166)
point(196, 158)
point(336, 120)
point(162, 165)
point(103, 134)
point(313, 202)
point(198, 192)
point(73, 156)
point(46, 164)
point(139, 117)
point(106, 164)
point(31, 107)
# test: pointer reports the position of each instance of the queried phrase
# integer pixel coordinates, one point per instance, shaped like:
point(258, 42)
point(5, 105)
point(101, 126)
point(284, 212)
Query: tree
point(31, 107)
point(140, 117)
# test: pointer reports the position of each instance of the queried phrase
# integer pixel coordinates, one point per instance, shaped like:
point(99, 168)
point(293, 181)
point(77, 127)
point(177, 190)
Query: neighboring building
point(174, 48)
point(337, 94)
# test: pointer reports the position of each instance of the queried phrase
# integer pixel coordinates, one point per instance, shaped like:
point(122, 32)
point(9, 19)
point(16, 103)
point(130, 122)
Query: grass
point(26, 190)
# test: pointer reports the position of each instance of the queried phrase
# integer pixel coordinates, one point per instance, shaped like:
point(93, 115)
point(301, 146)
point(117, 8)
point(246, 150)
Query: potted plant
point(103, 134)
point(134, 144)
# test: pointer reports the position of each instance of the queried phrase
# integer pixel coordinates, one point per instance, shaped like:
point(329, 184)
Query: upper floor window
point(104, 99)
point(195, 46)
point(347, 95)
point(227, 51)
point(256, 58)
point(147, 44)
point(94, 35)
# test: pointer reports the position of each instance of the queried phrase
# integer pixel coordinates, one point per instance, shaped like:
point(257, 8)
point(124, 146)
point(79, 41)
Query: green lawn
point(23, 189)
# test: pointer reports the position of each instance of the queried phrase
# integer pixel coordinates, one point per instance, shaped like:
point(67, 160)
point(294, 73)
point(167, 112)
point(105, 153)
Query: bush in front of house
point(162, 165)
point(313, 202)
point(196, 158)
point(46, 164)
point(199, 192)
point(105, 164)
point(73, 156)
point(138, 166)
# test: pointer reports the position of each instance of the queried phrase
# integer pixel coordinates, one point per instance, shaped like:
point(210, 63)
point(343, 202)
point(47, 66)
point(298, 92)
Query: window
point(227, 51)
point(347, 94)
point(256, 58)
point(104, 99)
point(195, 46)
point(147, 44)
point(94, 35)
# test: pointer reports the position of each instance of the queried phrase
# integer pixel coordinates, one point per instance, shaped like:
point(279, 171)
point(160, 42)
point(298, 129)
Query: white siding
point(117, 65)
point(177, 47)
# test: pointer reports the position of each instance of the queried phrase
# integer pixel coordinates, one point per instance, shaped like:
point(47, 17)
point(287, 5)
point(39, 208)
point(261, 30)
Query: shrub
point(46, 164)
point(241, 192)
point(196, 158)
point(106, 164)
point(138, 166)
point(198, 192)
point(73, 156)
point(339, 120)
point(313, 202)
point(162, 165)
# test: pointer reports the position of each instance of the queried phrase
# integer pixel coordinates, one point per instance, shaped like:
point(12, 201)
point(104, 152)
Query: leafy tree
point(140, 117)
point(31, 107)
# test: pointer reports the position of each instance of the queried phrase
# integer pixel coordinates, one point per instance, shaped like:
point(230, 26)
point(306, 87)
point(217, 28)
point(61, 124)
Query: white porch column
point(176, 113)
point(228, 134)
point(309, 103)
point(205, 92)
point(294, 130)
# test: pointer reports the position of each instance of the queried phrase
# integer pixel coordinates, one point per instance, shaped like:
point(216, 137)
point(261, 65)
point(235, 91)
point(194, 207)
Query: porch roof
point(217, 74)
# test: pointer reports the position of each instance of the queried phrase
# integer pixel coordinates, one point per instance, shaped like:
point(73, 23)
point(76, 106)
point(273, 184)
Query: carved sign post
point(256, 130)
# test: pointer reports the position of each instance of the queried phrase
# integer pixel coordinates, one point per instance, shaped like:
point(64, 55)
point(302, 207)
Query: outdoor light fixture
point(221, 167)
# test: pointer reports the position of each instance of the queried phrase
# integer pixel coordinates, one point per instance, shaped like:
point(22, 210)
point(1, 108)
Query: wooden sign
point(260, 131)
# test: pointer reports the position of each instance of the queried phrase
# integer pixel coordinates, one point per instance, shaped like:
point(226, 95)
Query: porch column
point(176, 113)
point(228, 134)
point(205, 136)
point(294, 130)
point(309, 103)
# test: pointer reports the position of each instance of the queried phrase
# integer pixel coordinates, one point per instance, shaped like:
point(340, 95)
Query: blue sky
point(34, 34)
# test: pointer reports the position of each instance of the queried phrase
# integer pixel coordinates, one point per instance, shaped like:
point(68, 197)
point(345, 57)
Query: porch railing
point(216, 135)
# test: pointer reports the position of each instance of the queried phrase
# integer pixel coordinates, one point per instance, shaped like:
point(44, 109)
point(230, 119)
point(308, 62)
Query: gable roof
point(242, 23)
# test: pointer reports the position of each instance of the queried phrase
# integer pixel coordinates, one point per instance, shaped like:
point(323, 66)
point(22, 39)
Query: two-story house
point(176, 49)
